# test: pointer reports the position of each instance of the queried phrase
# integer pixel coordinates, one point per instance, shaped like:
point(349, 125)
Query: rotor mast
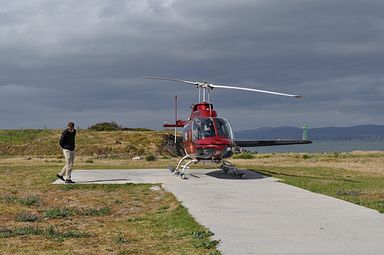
point(204, 91)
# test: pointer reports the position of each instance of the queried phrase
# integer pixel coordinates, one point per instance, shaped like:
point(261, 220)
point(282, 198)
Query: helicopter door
point(223, 128)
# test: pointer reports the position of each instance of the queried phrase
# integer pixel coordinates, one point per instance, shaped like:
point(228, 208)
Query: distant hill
point(326, 133)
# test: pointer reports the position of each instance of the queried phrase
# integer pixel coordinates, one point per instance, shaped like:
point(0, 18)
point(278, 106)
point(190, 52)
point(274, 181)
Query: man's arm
point(62, 139)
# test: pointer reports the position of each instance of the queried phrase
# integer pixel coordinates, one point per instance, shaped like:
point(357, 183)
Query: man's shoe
point(69, 181)
point(60, 177)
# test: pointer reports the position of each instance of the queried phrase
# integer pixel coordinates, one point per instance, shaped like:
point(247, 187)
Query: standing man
point(67, 143)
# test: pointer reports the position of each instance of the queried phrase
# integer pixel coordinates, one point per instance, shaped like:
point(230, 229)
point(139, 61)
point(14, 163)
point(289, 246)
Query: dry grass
point(101, 144)
point(357, 177)
point(90, 219)
point(134, 218)
point(363, 162)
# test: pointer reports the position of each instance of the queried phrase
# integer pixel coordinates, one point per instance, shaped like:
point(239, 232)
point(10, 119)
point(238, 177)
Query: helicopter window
point(202, 128)
point(224, 128)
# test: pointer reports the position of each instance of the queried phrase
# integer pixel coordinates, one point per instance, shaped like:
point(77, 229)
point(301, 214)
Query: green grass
point(28, 200)
point(20, 231)
point(243, 155)
point(120, 239)
point(50, 232)
point(180, 226)
point(59, 213)
point(95, 211)
point(22, 135)
point(53, 233)
point(360, 188)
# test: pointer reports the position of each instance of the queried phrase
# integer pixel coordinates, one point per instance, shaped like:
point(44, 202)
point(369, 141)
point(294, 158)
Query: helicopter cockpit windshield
point(223, 128)
point(203, 128)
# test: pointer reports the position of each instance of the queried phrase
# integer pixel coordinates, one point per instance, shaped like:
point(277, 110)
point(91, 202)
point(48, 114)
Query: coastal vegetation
point(119, 143)
point(38, 217)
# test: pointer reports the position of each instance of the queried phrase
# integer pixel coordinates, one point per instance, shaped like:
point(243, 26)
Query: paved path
point(258, 215)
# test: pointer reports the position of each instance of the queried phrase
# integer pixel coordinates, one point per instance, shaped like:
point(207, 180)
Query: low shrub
point(105, 126)
point(51, 233)
point(95, 212)
point(150, 158)
point(26, 217)
point(121, 240)
point(28, 200)
point(57, 213)
point(202, 234)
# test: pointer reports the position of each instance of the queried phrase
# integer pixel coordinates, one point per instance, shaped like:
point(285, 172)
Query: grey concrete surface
point(259, 215)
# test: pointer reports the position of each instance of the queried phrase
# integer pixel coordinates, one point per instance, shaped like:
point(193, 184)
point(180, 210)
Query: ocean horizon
point(323, 146)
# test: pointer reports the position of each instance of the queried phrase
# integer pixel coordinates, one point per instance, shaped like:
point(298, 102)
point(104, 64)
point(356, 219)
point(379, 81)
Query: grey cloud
point(85, 58)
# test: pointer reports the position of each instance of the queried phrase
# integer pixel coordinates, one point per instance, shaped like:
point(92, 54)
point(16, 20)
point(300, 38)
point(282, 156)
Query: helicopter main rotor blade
point(171, 79)
point(211, 86)
point(254, 90)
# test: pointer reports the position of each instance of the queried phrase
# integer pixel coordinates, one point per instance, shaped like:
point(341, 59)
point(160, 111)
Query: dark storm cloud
point(82, 60)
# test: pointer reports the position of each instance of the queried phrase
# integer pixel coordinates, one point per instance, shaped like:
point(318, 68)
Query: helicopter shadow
point(248, 175)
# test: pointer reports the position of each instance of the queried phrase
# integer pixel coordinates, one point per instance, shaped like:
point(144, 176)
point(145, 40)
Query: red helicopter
point(207, 137)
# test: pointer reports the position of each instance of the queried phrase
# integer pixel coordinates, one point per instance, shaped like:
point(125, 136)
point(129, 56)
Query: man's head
point(70, 126)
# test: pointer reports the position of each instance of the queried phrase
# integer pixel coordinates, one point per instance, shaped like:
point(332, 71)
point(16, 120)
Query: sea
point(323, 146)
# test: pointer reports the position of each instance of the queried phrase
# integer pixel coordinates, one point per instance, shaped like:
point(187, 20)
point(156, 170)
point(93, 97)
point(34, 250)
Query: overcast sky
point(83, 61)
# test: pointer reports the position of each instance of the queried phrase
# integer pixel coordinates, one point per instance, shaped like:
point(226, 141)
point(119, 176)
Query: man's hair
point(71, 124)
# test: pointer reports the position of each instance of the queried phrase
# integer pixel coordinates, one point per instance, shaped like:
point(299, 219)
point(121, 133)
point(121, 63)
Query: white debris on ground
point(155, 188)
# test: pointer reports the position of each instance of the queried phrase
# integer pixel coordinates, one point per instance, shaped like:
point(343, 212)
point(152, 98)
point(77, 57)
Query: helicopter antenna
point(175, 118)
point(205, 87)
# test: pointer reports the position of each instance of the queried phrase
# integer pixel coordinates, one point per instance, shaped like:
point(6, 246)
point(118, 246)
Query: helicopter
point(207, 137)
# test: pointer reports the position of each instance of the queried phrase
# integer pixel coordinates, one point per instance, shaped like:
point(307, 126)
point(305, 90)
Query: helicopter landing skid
point(182, 169)
point(230, 169)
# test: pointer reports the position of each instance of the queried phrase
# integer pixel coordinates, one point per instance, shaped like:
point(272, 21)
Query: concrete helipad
point(259, 215)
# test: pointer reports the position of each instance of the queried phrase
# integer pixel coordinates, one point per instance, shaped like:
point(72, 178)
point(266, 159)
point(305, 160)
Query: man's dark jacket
point(67, 140)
